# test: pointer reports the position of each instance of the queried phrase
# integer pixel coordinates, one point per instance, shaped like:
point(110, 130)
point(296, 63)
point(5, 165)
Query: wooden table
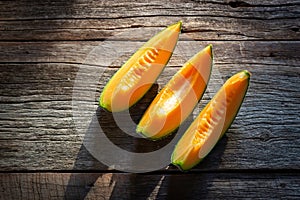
point(44, 46)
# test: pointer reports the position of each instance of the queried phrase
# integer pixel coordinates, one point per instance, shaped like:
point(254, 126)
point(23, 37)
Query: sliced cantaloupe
point(211, 123)
point(137, 75)
point(178, 98)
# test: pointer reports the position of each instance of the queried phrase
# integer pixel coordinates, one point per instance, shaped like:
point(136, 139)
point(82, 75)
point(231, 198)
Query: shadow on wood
point(185, 189)
point(79, 185)
point(120, 127)
point(136, 186)
point(120, 138)
point(123, 136)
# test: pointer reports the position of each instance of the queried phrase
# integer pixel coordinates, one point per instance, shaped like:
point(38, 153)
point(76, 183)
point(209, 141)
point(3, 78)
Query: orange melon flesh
point(178, 98)
point(211, 123)
point(137, 75)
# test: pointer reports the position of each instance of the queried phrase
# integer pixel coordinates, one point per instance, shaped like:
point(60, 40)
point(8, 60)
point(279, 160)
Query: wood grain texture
point(195, 27)
point(98, 20)
point(37, 118)
point(132, 186)
point(49, 51)
point(28, 10)
point(85, 52)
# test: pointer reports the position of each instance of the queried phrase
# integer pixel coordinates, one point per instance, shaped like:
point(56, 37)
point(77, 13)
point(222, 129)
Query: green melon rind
point(180, 163)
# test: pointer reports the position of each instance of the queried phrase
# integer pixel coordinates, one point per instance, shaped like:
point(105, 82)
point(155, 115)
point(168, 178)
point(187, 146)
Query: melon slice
point(136, 76)
point(177, 99)
point(211, 123)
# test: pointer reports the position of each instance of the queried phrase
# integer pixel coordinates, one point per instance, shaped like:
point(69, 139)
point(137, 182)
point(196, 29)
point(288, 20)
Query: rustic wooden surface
point(43, 47)
point(158, 186)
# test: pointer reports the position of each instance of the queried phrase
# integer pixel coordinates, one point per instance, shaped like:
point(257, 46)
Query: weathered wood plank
point(133, 186)
point(31, 10)
point(43, 45)
point(117, 52)
point(194, 27)
point(97, 20)
point(37, 124)
point(37, 78)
